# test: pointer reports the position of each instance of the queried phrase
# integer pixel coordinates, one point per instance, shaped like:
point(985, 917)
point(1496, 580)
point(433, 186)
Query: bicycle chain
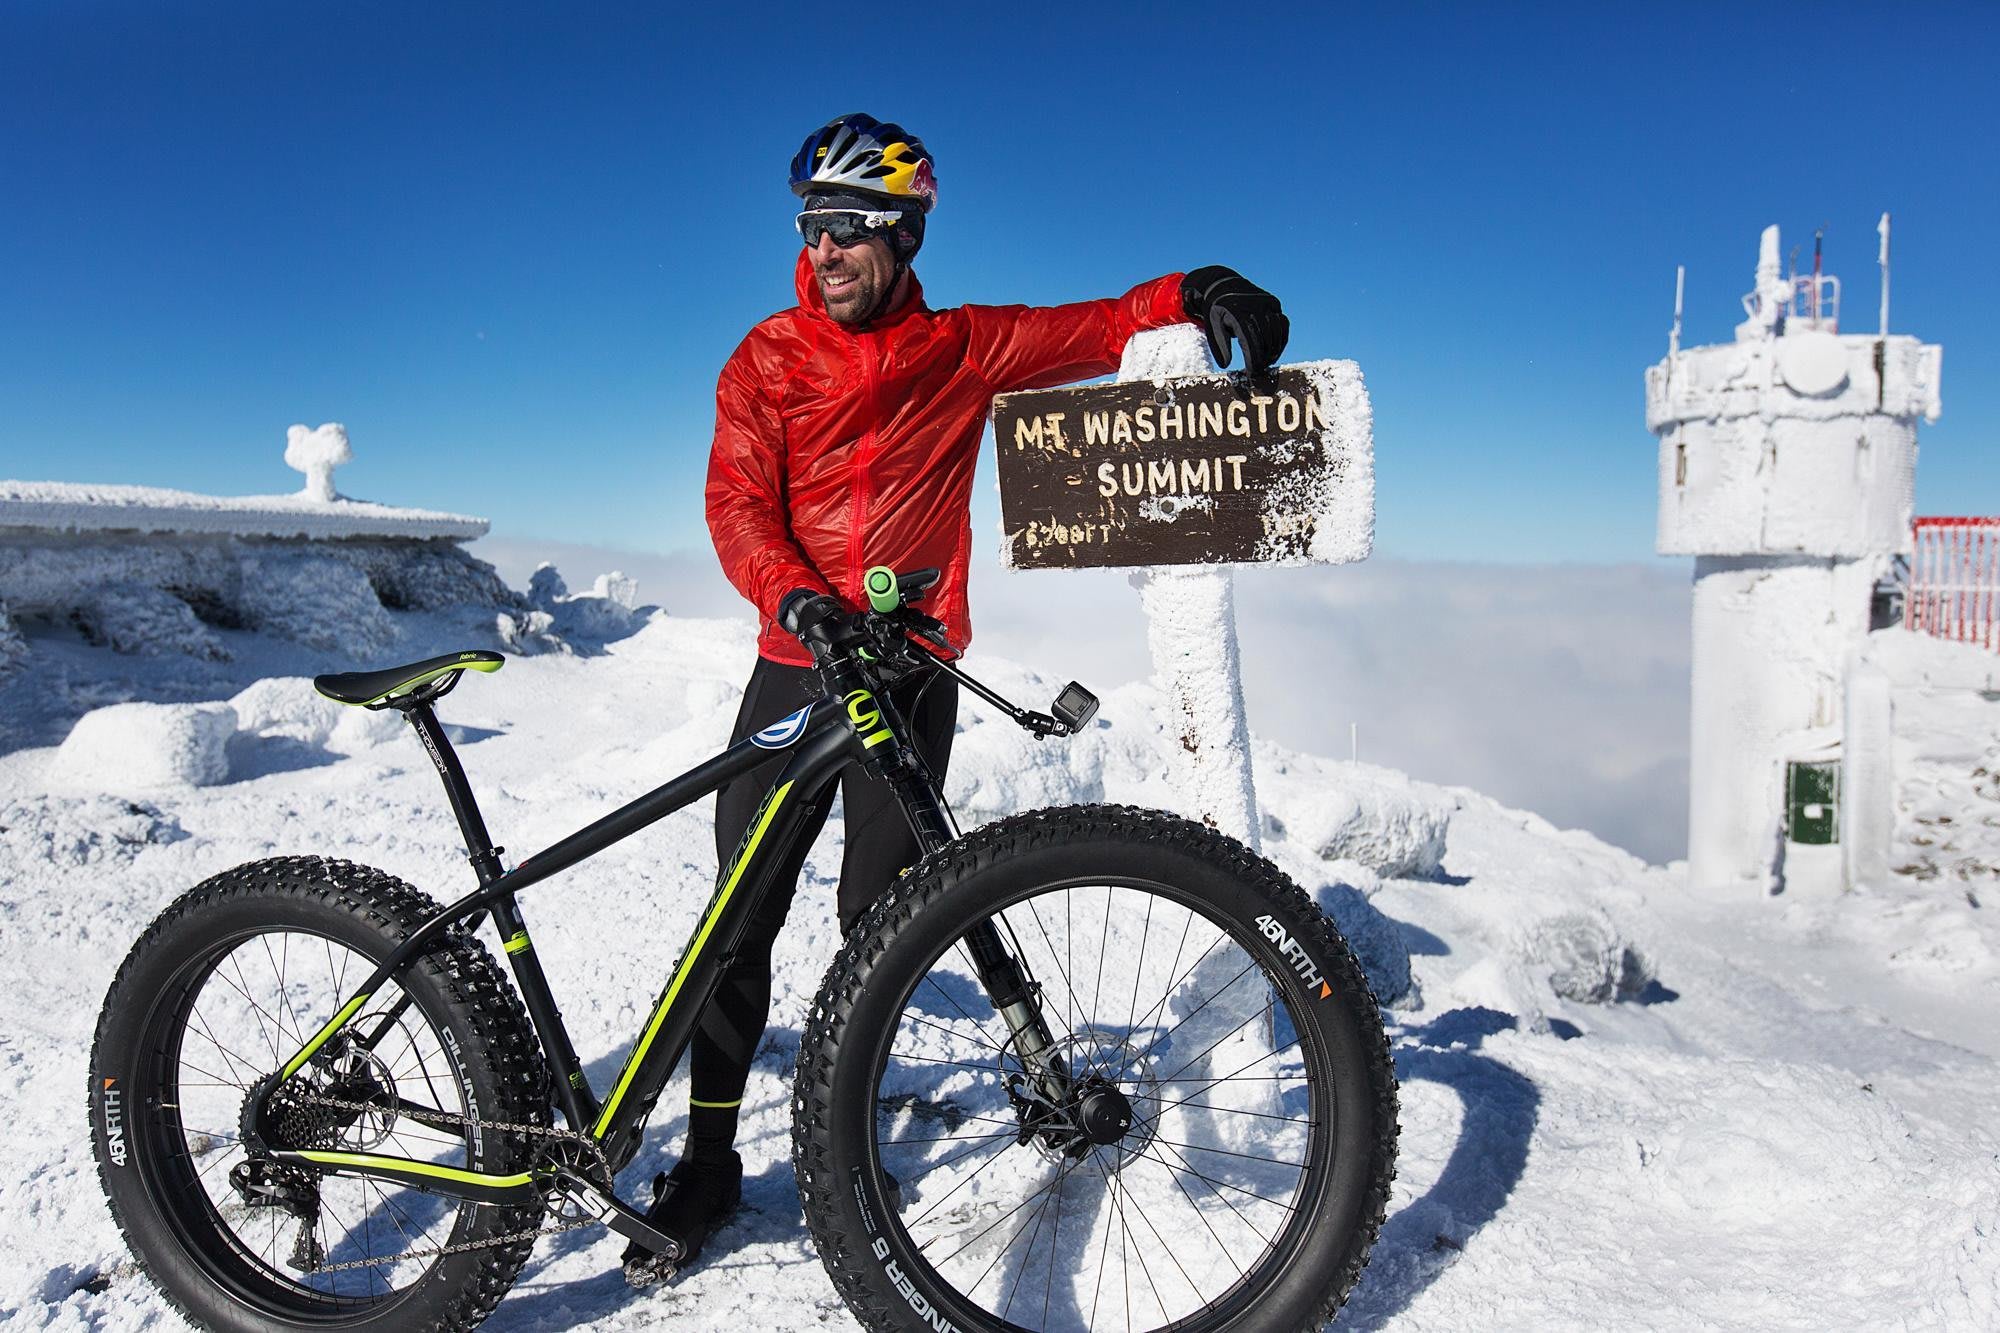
point(452, 1118)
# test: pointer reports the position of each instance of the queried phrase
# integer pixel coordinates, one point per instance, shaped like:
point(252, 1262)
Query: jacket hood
point(813, 304)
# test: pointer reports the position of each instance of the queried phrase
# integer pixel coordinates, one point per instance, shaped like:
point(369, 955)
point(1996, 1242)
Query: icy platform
point(62, 506)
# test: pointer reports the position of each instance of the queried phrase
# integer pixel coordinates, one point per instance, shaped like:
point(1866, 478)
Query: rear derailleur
point(261, 1183)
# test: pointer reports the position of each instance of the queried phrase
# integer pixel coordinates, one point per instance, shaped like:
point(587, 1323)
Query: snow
point(1191, 632)
point(135, 747)
point(1356, 812)
point(1626, 1100)
point(62, 506)
point(317, 453)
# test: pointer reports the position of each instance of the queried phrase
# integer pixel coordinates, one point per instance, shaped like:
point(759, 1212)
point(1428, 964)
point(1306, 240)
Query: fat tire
point(457, 987)
point(842, 1042)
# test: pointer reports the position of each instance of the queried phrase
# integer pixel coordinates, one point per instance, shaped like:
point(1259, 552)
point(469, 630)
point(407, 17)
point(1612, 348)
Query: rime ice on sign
point(1188, 467)
point(1787, 461)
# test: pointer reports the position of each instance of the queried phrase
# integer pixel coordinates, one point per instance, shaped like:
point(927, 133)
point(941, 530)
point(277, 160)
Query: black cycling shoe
point(689, 1202)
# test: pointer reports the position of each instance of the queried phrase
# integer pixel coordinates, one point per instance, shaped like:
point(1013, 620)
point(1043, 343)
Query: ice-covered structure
point(1787, 461)
point(154, 572)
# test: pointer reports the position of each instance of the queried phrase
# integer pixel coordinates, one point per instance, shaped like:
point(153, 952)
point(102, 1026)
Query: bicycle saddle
point(367, 687)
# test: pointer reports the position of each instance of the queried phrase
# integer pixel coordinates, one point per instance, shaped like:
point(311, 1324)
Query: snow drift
point(1624, 1102)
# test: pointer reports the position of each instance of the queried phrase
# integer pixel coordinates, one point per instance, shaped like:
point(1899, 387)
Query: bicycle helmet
point(859, 154)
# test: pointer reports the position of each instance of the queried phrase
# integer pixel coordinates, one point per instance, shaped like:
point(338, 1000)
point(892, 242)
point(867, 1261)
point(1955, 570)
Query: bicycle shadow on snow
point(1500, 1108)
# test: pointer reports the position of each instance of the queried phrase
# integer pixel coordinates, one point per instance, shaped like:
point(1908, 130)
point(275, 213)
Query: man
point(847, 430)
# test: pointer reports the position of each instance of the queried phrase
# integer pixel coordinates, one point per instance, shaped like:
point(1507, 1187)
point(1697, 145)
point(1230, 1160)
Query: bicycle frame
point(820, 739)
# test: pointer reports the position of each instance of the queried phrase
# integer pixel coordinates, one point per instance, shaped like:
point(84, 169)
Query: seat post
point(479, 848)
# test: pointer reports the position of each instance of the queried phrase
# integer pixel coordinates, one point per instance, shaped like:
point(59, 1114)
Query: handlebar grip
point(884, 593)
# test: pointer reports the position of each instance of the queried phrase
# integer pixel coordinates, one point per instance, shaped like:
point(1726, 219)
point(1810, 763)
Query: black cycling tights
point(879, 844)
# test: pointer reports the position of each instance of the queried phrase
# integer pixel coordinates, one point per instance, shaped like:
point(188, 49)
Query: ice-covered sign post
point(1178, 473)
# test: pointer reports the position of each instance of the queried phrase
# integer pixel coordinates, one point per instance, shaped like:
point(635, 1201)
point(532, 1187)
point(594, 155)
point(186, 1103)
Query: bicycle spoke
point(1055, 1236)
point(1118, 1190)
point(987, 1230)
point(1216, 1187)
point(1219, 1110)
point(1203, 1186)
point(284, 994)
point(242, 988)
point(1040, 1211)
point(1069, 987)
point(1219, 1242)
point(1009, 1131)
point(925, 1022)
point(915, 1221)
point(985, 1036)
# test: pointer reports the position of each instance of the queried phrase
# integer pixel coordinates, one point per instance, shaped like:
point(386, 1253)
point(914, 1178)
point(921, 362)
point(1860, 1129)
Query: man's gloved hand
point(819, 620)
point(1228, 305)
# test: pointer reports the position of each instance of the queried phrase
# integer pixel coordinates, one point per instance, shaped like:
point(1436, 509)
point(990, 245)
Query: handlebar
point(897, 641)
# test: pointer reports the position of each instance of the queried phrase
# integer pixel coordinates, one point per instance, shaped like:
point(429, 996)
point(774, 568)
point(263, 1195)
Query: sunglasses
point(847, 226)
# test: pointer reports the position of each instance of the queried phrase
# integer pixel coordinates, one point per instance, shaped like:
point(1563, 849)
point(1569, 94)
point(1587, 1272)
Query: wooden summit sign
point(1199, 470)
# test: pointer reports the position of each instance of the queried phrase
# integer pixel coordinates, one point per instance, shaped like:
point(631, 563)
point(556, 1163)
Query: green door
point(1812, 801)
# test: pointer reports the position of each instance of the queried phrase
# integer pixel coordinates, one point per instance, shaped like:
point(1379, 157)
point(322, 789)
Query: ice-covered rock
point(619, 587)
point(318, 600)
point(997, 769)
point(144, 621)
point(361, 729)
point(528, 632)
point(592, 619)
point(137, 746)
point(426, 576)
point(13, 648)
point(1354, 812)
point(287, 707)
point(1588, 959)
point(94, 830)
point(546, 587)
point(606, 612)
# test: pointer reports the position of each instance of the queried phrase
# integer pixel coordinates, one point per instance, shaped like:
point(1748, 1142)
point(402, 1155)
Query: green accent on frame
point(681, 973)
point(333, 1025)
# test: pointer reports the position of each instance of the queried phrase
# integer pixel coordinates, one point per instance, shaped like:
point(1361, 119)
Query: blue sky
point(510, 245)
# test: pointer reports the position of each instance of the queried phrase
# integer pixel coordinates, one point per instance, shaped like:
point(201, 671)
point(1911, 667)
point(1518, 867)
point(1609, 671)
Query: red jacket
point(837, 448)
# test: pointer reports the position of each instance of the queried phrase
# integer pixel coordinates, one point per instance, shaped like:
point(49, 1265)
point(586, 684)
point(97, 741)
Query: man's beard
point(852, 302)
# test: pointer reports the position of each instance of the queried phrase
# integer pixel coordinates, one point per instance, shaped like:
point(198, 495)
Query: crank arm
point(621, 1217)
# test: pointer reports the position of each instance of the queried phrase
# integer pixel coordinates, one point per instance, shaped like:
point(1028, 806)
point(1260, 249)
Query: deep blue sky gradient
point(511, 245)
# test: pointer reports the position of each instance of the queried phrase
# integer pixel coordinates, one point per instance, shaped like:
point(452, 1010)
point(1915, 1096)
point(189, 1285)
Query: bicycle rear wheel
point(219, 992)
point(1221, 1150)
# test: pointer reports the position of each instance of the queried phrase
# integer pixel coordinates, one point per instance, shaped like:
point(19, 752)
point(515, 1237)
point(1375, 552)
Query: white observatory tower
point(1787, 464)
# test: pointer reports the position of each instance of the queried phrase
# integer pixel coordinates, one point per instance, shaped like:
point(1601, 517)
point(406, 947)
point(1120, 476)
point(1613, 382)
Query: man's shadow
point(1500, 1110)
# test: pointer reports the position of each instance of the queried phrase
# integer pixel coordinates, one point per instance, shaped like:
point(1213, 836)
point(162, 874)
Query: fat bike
point(1084, 1068)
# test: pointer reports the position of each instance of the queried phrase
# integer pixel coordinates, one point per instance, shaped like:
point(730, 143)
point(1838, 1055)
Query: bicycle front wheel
point(1207, 1143)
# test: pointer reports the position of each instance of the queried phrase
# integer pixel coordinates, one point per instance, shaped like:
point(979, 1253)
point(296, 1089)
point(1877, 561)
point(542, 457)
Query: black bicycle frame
point(852, 724)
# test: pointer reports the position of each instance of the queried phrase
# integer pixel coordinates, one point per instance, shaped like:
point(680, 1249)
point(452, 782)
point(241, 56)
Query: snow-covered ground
point(1625, 1103)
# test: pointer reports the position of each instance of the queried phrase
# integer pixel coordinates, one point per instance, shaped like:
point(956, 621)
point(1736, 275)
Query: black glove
point(819, 620)
point(1226, 304)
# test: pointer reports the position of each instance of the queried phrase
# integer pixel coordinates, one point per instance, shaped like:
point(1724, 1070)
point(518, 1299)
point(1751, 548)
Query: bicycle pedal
point(650, 1271)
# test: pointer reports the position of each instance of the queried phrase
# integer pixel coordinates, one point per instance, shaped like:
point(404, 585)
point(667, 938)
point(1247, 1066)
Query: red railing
point(1954, 585)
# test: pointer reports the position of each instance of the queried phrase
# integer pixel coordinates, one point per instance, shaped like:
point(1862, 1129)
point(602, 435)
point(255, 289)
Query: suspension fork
point(1014, 993)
